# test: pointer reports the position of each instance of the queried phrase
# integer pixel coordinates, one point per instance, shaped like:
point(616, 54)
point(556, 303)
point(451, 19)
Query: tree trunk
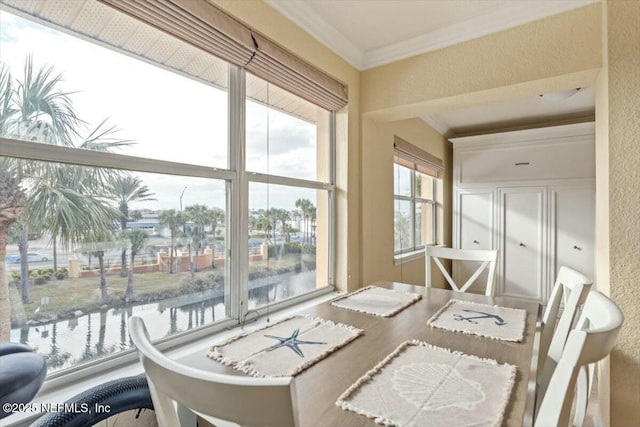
point(104, 293)
point(24, 263)
point(123, 263)
point(213, 248)
point(55, 255)
point(128, 294)
point(5, 303)
point(171, 255)
point(191, 272)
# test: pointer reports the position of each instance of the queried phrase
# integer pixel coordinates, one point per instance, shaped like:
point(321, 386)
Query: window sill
point(60, 394)
point(408, 256)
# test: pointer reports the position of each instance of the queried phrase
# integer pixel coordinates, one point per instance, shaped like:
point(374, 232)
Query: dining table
point(320, 385)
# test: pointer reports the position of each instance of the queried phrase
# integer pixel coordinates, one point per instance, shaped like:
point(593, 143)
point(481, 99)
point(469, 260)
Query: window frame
point(414, 199)
point(237, 179)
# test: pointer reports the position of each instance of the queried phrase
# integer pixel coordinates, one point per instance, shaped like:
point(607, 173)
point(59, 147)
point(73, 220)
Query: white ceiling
point(370, 33)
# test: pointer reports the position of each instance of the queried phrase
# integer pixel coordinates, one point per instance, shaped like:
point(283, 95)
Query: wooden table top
point(319, 386)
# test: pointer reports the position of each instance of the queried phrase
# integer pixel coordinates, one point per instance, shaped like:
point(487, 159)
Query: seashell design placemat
point(492, 321)
point(284, 348)
point(427, 386)
point(377, 301)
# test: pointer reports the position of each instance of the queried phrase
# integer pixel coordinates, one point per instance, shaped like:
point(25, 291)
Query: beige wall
point(556, 53)
point(619, 244)
point(266, 20)
point(377, 197)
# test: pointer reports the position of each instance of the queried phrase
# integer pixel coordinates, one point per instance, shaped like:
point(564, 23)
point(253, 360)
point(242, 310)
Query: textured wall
point(624, 203)
point(377, 197)
point(562, 48)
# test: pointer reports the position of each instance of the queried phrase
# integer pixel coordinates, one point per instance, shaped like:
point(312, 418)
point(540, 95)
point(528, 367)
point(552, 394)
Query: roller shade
point(412, 157)
point(212, 30)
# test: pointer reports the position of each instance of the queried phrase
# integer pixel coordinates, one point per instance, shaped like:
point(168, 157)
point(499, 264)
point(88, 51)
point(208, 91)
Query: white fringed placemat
point(492, 321)
point(377, 301)
point(284, 348)
point(420, 385)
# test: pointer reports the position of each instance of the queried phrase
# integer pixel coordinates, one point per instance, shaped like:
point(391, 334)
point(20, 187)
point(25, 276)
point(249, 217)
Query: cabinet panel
point(557, 160)
point(572, 242)
point(522, 242)
point(475, 230)
point(475, 219)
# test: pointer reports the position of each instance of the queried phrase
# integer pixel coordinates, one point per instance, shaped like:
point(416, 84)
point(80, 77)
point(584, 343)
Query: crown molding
point(436, 123)
point(309, 20)
point(511, 15)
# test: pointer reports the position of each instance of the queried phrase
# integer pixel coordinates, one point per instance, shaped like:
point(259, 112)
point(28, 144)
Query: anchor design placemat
point(427, 386)
point(377, 301)
point(284, 348)
point(492, 321)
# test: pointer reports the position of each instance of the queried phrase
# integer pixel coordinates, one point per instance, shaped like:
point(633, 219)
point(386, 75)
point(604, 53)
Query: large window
point(131, 189)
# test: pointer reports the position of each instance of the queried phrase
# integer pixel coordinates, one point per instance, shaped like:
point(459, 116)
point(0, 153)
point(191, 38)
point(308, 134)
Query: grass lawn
point(67, 296)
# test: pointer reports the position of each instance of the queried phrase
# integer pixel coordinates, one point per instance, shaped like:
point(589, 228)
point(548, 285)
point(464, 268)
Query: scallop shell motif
point(435, 386)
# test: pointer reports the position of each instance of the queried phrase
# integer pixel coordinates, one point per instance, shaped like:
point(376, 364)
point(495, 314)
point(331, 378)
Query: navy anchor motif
point(291, 342)
point(498, 320)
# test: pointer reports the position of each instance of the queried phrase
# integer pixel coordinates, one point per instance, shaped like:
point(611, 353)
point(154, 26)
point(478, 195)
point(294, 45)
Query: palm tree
point(215, 217)
point(125, 190)
point(283, 216)
point(137, 238)
point(199, 216)
point(174, 221)
point(263, 223)
point(12, 203)
point(304, 205)
point(33, 109)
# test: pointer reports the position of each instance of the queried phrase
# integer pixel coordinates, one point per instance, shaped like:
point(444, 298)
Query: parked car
point(31, 257)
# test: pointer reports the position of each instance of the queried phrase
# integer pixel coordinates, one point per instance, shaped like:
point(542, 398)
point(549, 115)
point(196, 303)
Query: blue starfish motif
point(292, 342)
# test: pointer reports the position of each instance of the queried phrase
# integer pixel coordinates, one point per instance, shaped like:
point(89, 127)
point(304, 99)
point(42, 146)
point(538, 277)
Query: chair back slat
point(239, 399)
point(486, 258)
point(591, 341)
point(572, 287)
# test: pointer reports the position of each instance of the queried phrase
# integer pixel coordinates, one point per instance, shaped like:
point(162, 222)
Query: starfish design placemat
point(420, 385)
point(284, 348)
point(492, 321)
point(377, 301)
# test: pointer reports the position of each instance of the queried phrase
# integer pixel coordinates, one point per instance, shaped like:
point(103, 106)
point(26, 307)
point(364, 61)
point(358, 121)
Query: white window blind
point(412, 157)
point(211, 29)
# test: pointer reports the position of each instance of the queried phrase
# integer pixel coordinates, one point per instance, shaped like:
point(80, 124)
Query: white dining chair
point(591, 341)
point(180, 393)
point(572, 287)
point(486, 258)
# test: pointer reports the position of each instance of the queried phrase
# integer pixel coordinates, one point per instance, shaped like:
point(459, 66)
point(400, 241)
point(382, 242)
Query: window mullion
point(238, 288)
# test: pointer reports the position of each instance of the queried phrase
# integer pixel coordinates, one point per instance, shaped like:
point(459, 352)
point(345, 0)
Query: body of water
point(69, 342)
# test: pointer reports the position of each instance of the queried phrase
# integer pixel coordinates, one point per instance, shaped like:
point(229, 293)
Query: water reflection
point(69, 342)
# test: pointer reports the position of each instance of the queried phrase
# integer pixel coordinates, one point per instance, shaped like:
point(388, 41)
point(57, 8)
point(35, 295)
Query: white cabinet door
point(572, 226)
point(523, 242)
point(475, 219)
point(474, 228)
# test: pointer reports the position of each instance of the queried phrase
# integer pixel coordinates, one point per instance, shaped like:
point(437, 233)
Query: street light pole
point(182, 194)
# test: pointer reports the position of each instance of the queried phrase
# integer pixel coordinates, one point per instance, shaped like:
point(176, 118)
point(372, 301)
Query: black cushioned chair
point(22, 373)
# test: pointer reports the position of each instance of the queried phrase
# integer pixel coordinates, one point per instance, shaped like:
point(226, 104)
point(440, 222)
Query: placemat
point(492, 321)
point(377, 301)
point(426, 386)
point(284, 348)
